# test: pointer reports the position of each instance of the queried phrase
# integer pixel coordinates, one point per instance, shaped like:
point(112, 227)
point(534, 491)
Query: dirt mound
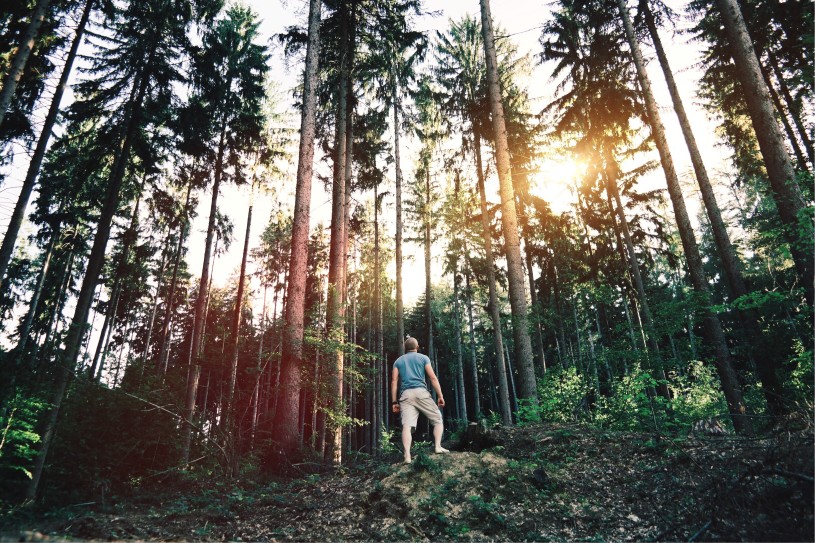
point(456, 495)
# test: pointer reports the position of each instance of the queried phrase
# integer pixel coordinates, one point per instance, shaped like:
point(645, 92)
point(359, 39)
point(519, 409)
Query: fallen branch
point(791, 475)
point(700, 532)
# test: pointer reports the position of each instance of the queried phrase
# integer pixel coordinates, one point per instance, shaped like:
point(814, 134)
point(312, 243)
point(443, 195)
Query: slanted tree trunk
point(780, 171)
point(495, 316)
point(21, 55)
point(95, 371)
point(161, 361)
point(7, 390)
point(713, 326)
point(154, 311)
point(231, 416)
point(610, 176)
point(782, 116)
point(286, 430)
point(201, 302)
point(793, 108)
point(16, 220)
point(25, 329)
point(66, 361)
point(110, 316)
point(515, 272)
point(59, 302)
point(765, 360)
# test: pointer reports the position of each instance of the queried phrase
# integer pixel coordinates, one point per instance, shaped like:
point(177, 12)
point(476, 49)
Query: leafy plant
point(18, 437)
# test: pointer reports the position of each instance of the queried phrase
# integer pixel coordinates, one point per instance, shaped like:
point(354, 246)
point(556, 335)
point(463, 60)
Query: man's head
point(411, 344)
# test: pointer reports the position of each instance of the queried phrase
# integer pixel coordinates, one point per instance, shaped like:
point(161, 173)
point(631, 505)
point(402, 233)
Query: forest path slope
point(540, 483)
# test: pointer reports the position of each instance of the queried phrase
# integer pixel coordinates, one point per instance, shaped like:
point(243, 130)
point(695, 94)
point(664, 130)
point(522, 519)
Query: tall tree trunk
point(161, 361)
point(335, 309)
point(461, 395)
point(536, 308)
point(25, 329)
point(610, 176)
point(428, 290)
point(66, 362)
point(260, 370)
point(18, 214)
point(286, 431)
point(473, 364)
point(713, 326)
point(7, 390)
point(765, 361)
point(95, 371)
point(400, 319)
point(379, 404)
point(21, 55)
point(515, 272)
point(153, 312)
point(786, 192)
point(782, 116)
point(495, 316)
point(201, 302)
point(792, 107)
point(231, 416)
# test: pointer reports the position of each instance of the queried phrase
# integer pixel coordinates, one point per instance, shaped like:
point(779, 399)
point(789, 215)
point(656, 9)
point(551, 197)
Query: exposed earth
point(535, 483)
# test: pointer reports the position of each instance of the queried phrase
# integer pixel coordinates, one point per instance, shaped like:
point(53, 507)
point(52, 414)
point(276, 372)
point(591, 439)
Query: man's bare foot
point(407, 460)
point(441, 450)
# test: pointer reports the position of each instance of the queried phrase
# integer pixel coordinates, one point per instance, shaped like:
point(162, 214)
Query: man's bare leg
point(407, 439)
point(438, 430)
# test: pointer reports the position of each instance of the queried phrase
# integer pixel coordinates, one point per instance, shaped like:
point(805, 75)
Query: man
point(409, 372)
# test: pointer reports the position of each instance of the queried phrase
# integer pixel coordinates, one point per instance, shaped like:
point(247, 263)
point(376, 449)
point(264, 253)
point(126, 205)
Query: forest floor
point(535, 483)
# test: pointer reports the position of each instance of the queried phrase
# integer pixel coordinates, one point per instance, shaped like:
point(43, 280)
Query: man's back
point(411, 370)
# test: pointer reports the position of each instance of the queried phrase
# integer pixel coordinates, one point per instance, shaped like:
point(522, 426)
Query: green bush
point(18, 442)
point(560, 393)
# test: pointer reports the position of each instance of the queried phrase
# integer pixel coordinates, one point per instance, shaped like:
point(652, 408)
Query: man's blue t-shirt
point(411, 370)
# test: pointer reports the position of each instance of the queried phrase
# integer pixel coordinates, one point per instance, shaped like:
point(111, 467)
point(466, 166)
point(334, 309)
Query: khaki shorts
point(415, 400)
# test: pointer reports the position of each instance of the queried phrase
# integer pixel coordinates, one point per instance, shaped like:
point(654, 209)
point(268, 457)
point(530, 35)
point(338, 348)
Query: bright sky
point(521, 19)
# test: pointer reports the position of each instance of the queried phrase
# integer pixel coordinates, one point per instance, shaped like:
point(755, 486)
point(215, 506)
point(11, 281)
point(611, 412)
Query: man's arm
point(394, 389)
point(434, 382)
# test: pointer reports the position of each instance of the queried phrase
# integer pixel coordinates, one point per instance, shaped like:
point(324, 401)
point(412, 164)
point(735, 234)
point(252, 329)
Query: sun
point(555, 181)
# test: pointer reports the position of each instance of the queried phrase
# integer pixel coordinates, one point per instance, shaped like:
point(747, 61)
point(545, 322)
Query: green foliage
point(560, 391)
point(632, 403)
point(18, 438)
point(423, 462)
point(386, 444)
point(697, 394)
point(801, 376)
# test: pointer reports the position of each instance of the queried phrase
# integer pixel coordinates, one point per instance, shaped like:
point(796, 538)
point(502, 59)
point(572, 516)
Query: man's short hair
point(411, 344)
